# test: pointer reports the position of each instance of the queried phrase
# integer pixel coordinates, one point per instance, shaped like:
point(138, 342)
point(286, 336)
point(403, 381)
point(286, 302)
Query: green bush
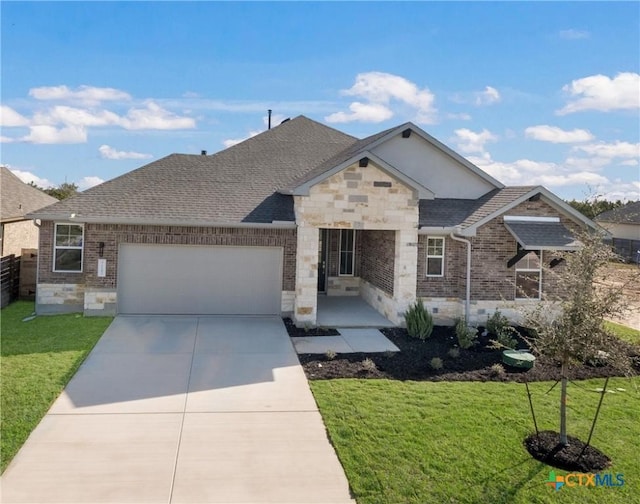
point(499, 326)
point(497, 322)
point(436, 363)
point(454, 353)
point(466, 335)
point(419, 321)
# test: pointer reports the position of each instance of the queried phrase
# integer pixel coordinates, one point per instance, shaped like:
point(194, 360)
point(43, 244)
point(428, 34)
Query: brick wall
point(114, 234)
point(493, 246)
point(452, 284)
point(377, 259)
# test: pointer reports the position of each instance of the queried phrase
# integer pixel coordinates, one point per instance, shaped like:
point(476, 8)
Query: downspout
point(467, 301)
point(37, 223)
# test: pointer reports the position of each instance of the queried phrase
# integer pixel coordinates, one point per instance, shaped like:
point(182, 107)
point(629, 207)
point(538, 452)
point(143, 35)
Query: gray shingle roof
point(628, 214)
point(18, 198)
point(238, 184)
point(449, 212)
point(542, 235)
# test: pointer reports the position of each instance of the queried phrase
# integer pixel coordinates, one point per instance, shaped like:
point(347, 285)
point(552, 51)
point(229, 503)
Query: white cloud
point(619, 190)
point(573, 34)
point(88, 182)
point(234, 141)
point(599, 92)
point(629, 162)
point(44, 134)
point(154, 117)
point(27, 177)
point(463, 116)
point(471, 142)
point(6, 139)
point(365, 112)
point(553, 134)
point(108, 152)
point(380, 89)
point(62, 114)
point(83, 94)
point(489, 96)
point(10, 118)
point(624, 150)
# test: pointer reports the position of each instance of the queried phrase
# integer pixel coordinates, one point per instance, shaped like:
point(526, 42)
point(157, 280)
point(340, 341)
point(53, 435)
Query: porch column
point(405, 271)
point(306, 301)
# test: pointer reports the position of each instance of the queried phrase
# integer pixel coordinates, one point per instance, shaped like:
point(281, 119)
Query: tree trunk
point(563, 406)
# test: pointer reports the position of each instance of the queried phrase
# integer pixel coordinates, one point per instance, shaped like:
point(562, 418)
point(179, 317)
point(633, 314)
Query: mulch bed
point(412, 362)
point(546, 448)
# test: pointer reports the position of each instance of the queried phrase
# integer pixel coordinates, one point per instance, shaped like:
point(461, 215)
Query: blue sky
point(534, 93)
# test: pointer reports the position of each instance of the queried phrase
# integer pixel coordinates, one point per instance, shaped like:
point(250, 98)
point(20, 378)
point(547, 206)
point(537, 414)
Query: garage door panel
point(176, 279)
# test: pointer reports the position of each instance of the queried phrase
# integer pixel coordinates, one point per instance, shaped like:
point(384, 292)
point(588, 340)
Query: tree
point(573, 330)
point(63, 191)
point(593, 206)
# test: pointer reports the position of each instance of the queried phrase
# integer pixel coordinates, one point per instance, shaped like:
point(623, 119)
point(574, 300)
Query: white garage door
point(191, 280)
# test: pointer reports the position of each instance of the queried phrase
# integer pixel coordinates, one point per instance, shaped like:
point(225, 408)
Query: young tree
point(573, 330)
point(63, 191)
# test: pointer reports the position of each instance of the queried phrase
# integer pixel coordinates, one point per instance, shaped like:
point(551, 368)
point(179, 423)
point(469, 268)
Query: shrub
point(497, 322)
point(506, 339)
point(330, 355)
point(419, 321)
point(454, 353)
point(498, 370)
point(466, 335)
point(436, 363)
point(369, 365)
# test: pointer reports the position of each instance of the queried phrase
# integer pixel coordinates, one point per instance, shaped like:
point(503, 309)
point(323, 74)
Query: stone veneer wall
point(98, 295)
point(361, 198)
point(19, 235)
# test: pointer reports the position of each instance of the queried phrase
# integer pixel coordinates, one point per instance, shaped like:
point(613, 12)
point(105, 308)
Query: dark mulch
point(412, 362)
point(546, 448)
point(307, 331)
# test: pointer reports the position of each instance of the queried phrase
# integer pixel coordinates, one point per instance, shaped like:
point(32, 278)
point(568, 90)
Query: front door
point(323, 250)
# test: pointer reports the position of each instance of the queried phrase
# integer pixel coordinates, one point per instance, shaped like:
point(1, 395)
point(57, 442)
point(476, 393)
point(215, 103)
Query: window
point(67, 249)
point(435, 257)
point(529, 276)
point(347, 247)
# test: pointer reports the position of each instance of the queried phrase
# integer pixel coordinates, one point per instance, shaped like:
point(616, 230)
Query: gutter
point(153, 222)
point(467, 301)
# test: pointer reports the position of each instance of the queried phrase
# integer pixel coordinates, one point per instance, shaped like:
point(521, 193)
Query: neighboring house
point(264, 226)
point(18, 199)
point(624, 225)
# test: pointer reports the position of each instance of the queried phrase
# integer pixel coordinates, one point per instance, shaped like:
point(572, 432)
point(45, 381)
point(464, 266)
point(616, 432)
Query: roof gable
point(18, 198)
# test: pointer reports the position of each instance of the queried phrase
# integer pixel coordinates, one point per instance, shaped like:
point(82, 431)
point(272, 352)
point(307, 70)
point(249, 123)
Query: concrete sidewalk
point(349, 341)
point(182, 410)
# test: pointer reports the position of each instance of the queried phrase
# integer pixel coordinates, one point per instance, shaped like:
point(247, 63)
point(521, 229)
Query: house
point(624, 225)
point(18, 199)
point(298, 211)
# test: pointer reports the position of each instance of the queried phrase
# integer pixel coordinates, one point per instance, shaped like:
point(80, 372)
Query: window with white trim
point(529, 276)
point(435, 256)
point(67, 248)
point(347, 251)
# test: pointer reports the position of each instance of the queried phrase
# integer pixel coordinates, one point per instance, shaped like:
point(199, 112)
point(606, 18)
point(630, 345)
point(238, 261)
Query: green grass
point(461, 442)
point(623, 332)
point(38, 358)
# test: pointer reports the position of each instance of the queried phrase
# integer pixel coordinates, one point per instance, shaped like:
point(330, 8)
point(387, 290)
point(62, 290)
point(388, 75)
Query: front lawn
point(457, 442)
point(38, 359)
point(623, 332)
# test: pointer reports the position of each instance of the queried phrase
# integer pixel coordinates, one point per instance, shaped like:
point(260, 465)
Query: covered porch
point(348, 311)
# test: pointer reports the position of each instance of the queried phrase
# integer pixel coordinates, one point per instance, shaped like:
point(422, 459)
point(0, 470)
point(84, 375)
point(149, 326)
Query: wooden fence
point(9, 279)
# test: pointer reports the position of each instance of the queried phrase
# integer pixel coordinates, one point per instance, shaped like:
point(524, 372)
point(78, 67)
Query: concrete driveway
point(182, 410)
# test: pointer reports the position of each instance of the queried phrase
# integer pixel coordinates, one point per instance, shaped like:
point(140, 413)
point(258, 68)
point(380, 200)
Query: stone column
point(306, 302)
point(405, 271)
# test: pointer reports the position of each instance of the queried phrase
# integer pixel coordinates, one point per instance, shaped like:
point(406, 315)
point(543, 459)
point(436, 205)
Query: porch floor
point(348, 311)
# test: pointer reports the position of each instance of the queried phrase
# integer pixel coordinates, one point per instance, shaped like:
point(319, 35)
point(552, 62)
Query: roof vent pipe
point(269, 116)
point(203, 153)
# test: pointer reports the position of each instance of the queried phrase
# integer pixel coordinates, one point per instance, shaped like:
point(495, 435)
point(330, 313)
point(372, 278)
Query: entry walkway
point(182, 410)
point(348, 311)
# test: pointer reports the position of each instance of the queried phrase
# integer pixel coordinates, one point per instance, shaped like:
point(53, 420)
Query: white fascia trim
point(436, 231)
point(77, 219)
point(529, 218)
